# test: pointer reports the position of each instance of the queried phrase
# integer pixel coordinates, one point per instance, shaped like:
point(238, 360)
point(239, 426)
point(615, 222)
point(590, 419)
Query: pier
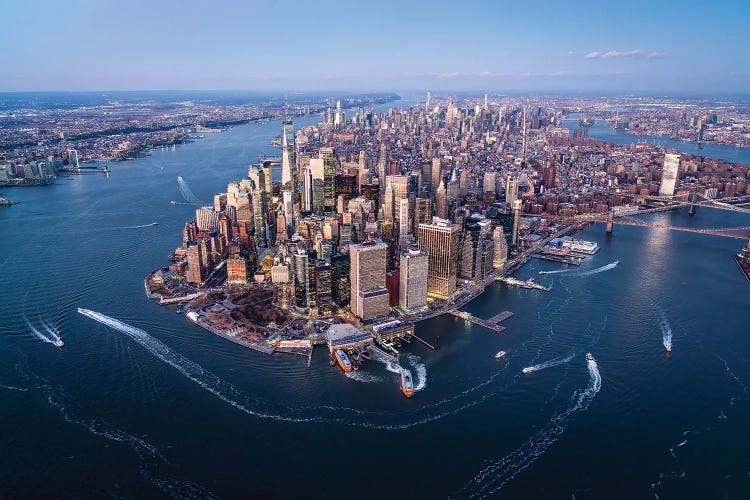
point(498, 318)
point(558, 258)
point(424, 342)
point(478, 321)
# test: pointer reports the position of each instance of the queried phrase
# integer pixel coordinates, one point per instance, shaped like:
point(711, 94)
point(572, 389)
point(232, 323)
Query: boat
point(500, 355)
point(407, 384)
point(59, 343)
point(154, 224)
point(343, 360)
point(527, 370)
point(589, 357)
point(669, 348)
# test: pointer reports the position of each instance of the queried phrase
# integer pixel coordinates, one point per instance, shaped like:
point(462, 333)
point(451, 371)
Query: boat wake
point(598, 270)
point(559, 271)
point(52, 336)
point(665, 327)
point(493, 478)
point(366, 378)
point(382, 420)
point(394, 366)
point(187, 193)
point(549, 364)
point(138, 226)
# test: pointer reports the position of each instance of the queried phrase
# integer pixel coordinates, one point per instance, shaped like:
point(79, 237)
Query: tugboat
point(500, 355)
point(343, 360)
point(407, 385)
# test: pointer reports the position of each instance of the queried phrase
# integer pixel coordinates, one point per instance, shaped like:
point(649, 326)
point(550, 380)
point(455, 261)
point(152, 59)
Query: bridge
point(628, 218)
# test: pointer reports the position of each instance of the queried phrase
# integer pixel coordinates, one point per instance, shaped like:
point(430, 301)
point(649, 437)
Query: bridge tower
point(693, 199)
point(610, 220)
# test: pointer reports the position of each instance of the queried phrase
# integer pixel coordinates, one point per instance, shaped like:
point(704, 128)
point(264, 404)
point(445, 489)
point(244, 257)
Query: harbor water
point(140, 402)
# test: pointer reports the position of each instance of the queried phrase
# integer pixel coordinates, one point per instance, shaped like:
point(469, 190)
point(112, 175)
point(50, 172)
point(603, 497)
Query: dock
point(478, 321)
point(424, 342)
point(558, 258)
point(529, 284)
point(498, 318)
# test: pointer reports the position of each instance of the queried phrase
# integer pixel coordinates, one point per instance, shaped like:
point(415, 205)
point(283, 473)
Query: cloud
point(637, 53)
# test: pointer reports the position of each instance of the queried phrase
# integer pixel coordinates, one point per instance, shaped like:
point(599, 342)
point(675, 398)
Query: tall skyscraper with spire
point(289, 177)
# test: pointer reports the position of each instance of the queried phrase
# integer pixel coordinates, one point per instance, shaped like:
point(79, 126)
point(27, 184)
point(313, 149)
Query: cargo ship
point(343, 360)
point(407, 384)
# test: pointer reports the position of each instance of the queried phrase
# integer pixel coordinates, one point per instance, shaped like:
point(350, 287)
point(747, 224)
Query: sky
point(629, 46)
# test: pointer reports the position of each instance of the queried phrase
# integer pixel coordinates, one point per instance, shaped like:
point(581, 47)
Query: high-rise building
point(323, 286)
point(364, 172)
point(340, 282)
point(437, 174)
point(207, 218)
point(440, 240)
point(489, 182)
point(422, 212)
point(328, 155)
point(195, 271)
point(501, 248)
point(516, 220)
point(548, 176)
point(441, 201)
point(511, 190)
point(413, 280)
point(301, 282)
point(669, 174)
point(403, 217)
point(369, 296)
point(73, 159)
point(288, 160)
point(477, 248)
point(382, 160)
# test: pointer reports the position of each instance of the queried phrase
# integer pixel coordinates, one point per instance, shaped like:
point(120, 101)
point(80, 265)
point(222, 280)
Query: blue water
point(604, 131)
point(177, 411)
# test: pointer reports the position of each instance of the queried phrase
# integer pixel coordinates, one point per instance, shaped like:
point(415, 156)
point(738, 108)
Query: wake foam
point(492, 478)
point(549, 364)
point(187, 193)
point(665, 327)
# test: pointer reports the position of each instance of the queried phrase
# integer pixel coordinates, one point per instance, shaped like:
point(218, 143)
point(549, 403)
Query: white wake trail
point(394, 366)
point(665, 327)
point(492, 478)
point(187, 193)
point(54, 333)
point(598, 270)
point(36, 333)
point(549, 364)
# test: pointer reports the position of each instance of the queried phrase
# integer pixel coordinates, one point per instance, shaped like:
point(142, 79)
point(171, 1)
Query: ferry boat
point(407, 385)
point(343, 360)
point(527, 370)
point(500, 355)
point(589, 357)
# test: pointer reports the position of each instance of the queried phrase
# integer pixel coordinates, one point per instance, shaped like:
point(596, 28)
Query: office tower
point(299, 258)
point(195, 271)
point(369, 296)
point(364, 172)
point(452, 191)
point(477, 249)
point(400, 185)
point(501, 248)
point(288, 209)
point(340, 283)
point(345, 185)
point(207, 218)
point(437, 174)
point(220, 202)
point(381, 167)
point(403, 217)
point(389, 203)
point(422, 212)
point(441, 202)
point(338, 119)
point(323, 286)
point(328, 155)
point(237, 270)
point(312, 279)
point(244, 211)
point(288, 160)
point(516, 220)
point(548, 176)
point(307, 190)
point(489, 182)
point(427, 104)
point(440, 240)
point(280, 273)
point(669, 174)
point(413, 267)
point(511, 190)
point(73, 159)
point(486, 103)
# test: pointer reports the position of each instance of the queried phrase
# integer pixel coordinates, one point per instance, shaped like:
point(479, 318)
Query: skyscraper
point(501, 248)
point(440, 240)
point(441, 202)
point(669, 174)
point(364, 172)
point(413, 279)
point(382, 159)
point(328, 155)
point(437, 174)
point(511, 190)
point(369, 296)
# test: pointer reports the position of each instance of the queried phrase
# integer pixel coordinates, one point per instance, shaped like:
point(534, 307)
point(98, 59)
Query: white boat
point(589, 357)
point(500, 355)
point(59, 343)
point(527, 370)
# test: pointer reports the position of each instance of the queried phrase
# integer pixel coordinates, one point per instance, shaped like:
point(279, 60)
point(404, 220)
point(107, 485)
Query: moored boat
point(343, 360)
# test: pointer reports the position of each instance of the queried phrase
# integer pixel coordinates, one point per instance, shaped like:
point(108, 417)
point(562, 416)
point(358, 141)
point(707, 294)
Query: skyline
point(639, 48)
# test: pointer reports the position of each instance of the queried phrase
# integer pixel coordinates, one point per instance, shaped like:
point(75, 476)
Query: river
point(177, 411)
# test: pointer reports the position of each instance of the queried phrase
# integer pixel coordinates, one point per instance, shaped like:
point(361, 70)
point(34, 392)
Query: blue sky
point(566, 45)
